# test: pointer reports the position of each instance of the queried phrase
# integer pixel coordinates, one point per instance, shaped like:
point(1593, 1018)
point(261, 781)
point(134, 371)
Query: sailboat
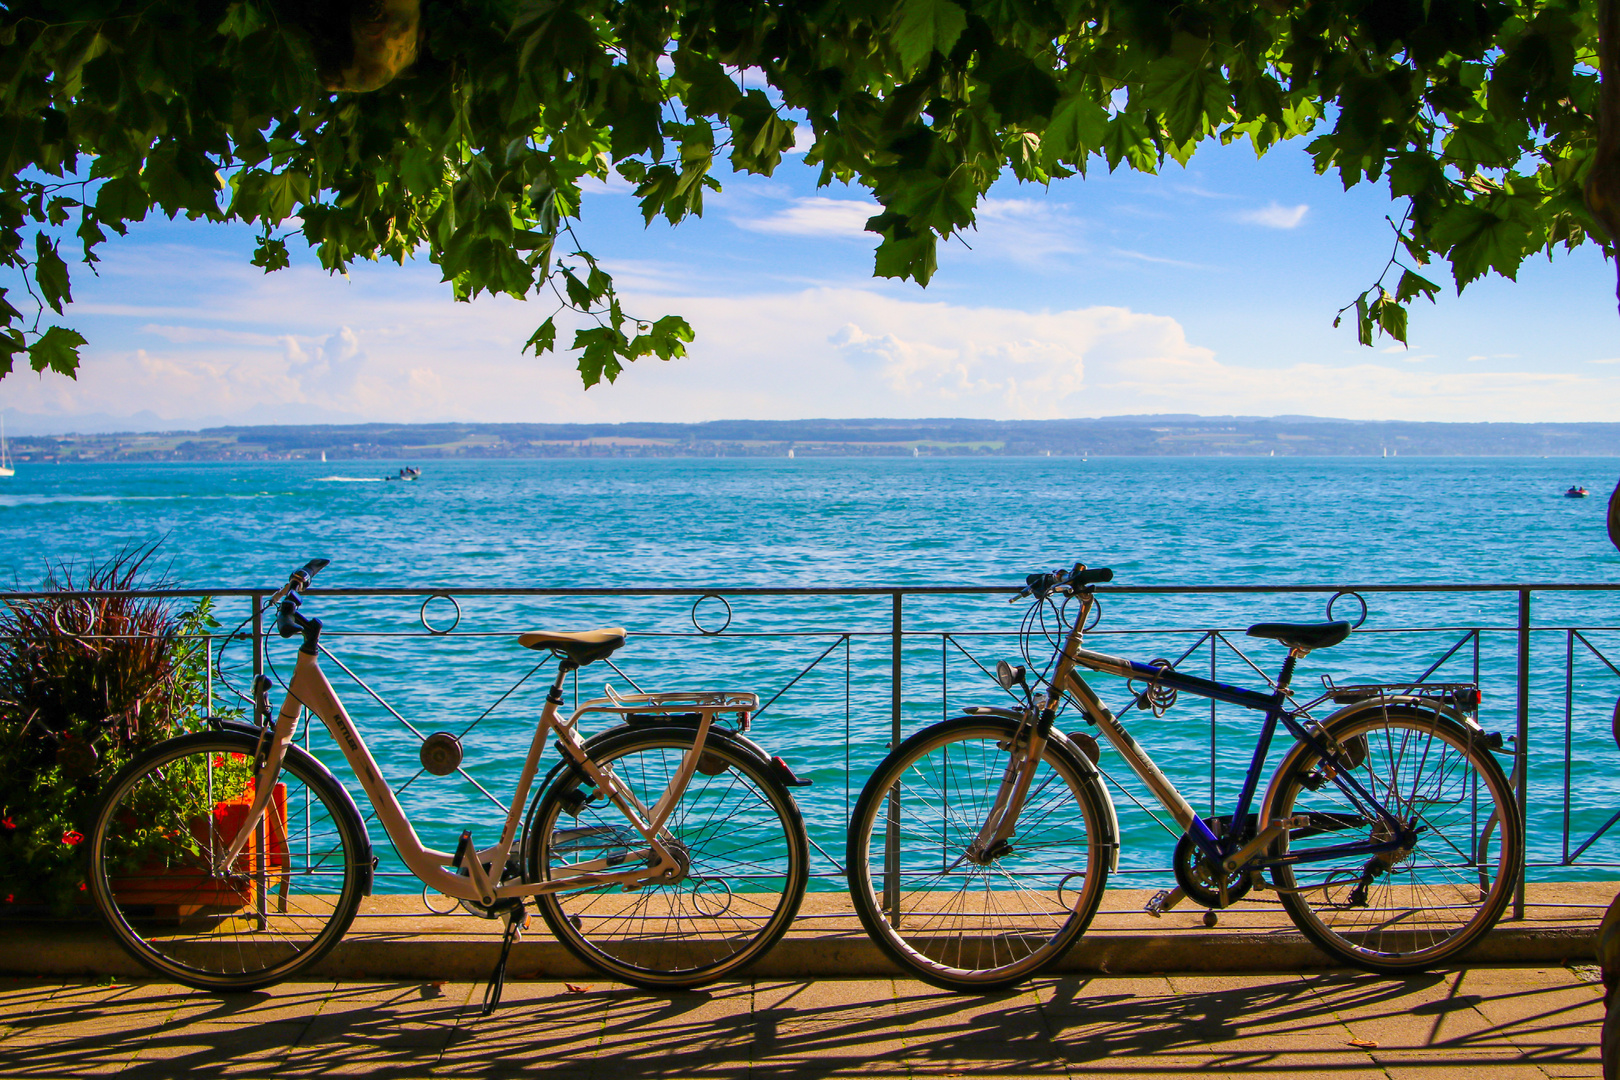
point(6, 468)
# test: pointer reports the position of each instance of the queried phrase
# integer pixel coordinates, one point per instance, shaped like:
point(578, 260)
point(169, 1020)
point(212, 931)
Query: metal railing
point(821, 658)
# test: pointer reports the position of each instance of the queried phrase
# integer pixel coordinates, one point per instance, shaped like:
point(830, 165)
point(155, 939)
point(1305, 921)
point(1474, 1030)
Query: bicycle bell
point(441, 753)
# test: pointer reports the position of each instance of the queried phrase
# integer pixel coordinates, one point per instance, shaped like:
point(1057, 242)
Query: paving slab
point(1474, 1023)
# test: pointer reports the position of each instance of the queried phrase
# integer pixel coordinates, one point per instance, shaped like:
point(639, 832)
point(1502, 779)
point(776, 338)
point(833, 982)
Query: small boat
point(6, 467)
point(1576, 493)
point(409, 472)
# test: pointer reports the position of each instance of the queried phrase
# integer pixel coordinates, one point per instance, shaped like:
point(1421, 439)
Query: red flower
point(238, 757)
point(72, 837)
point(219, 761)
point(81, 886)
point(7, 823)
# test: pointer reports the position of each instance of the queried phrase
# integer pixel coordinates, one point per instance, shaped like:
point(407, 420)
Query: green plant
point(85, 684)
point(1486, 118)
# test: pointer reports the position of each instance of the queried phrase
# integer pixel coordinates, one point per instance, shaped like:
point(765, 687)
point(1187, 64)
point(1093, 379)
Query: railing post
point(1521, 769)
point(258, 643)
point(891, 838)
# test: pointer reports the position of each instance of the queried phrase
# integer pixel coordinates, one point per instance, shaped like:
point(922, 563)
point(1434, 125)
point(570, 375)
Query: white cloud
point(1029, 231)
point(388, 344)
point(1159, 259)
point(817, 216)
point(1274, 216)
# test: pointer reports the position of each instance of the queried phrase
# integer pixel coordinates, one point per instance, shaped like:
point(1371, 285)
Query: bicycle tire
point(1421, 906)
point(995, 925)
point(152, 877)
point(739, 829)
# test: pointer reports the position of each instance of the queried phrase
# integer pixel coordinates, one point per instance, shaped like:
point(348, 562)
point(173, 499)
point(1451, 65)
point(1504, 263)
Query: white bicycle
point(666, 851)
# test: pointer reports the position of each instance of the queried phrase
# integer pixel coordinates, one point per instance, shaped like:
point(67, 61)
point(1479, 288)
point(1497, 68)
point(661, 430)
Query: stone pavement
point(1478, 1023)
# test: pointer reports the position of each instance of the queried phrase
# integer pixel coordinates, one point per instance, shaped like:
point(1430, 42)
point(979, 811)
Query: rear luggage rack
point(1464, 696)
point(677, 707)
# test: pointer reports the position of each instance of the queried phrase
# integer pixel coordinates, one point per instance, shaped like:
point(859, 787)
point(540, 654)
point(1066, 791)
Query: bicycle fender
point(1410, 701)
point(368, 861)
point(736, 740)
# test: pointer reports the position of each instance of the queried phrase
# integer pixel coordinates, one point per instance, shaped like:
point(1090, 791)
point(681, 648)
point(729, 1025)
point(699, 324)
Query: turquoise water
point(865, 523)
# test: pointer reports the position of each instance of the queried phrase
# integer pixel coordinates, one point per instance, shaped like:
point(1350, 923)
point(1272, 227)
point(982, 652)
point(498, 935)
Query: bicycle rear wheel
point(1413, 907)
point(958, 923)
point(736, 830)
point(277, 908)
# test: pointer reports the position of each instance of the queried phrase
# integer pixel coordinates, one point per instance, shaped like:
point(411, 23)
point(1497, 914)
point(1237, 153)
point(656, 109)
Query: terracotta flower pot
point(187, 889)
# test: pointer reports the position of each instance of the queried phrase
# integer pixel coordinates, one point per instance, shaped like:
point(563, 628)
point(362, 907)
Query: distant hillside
point(1132, 436)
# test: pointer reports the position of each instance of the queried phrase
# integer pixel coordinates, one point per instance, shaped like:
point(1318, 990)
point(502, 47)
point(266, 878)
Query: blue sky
point(1207, 290)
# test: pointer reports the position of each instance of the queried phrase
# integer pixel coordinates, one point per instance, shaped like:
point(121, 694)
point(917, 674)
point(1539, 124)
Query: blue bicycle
point(979, 849)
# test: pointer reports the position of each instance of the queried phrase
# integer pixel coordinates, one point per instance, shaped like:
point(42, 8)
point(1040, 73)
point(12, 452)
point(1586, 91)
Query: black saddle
point(1307, 636)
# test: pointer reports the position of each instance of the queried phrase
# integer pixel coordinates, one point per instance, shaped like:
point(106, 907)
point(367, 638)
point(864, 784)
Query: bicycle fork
point(995, 835)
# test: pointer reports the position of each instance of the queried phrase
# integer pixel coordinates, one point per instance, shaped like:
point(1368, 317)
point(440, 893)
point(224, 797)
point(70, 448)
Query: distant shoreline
point(1133, 436)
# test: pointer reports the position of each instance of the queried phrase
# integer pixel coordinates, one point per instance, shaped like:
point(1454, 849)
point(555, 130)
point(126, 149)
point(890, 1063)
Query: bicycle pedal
point(1163, 900)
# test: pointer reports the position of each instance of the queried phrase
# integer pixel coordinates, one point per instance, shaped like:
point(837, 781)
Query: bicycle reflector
point(441, 753)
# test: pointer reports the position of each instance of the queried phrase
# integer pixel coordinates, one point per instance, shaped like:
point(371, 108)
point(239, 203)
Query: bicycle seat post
point(1287, 673)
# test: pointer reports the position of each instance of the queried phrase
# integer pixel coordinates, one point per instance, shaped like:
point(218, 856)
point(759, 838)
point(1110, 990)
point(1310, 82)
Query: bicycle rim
point(955, 922)
point(1411, 908)
point(157, 879)
point(736, 829)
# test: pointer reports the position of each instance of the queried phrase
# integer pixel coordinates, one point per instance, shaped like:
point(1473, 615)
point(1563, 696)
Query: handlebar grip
point(310, 569)
point(1094, 576)
point(288, 621)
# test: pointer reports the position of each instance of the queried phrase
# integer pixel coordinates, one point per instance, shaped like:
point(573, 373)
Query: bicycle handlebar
point(1041, 585)
point(288, 621)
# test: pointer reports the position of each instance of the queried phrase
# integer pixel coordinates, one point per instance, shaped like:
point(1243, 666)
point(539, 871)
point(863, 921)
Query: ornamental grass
point(86, 683)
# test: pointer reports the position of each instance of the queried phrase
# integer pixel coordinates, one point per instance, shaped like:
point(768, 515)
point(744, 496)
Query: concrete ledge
point(394, 938)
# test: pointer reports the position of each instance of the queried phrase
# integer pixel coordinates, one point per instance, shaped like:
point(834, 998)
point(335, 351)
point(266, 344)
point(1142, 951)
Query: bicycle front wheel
point(160, 880)
point(1412, 907)
point(967, 923)
point(736, 832)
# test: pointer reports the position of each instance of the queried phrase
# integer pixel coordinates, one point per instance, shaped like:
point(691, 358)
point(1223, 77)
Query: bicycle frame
point(1233, 851)
point(309, 689)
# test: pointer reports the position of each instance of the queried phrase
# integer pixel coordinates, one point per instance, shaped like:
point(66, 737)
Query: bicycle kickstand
point(514, 929)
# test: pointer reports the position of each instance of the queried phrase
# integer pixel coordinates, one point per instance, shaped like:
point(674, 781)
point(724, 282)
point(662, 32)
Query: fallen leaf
point(438, 982)
point(1370, 1044)
point(572, 989)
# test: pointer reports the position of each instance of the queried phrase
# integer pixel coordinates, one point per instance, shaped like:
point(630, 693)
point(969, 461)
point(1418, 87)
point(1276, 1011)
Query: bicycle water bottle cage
point(1304, 636)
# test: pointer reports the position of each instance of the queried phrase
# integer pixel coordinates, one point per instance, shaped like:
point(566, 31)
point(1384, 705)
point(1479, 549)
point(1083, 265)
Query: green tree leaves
point(924, 27)
point(1480, 114)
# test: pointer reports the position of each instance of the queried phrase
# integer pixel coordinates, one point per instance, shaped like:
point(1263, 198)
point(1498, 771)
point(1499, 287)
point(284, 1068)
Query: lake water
point(875, 523)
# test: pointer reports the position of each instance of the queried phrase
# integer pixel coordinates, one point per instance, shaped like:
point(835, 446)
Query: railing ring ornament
point(81, 603)
point(705, 631)
point(1357, 597)
point(429, 627)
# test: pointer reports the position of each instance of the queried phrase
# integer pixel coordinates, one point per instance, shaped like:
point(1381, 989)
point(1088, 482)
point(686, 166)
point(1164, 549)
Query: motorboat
point(1576, 493)
point(409, 472)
